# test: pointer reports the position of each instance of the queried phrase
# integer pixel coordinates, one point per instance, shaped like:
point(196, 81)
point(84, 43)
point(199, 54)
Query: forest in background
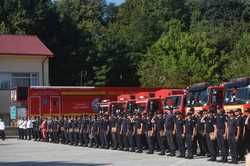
point(151, 43)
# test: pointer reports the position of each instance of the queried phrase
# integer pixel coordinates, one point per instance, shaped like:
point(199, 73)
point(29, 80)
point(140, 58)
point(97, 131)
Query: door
point(35, 106)
point(55, 105)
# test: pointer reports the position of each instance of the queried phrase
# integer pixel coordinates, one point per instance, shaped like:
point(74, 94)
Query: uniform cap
point(178, 113)
point(200, 112)
point(238, 110)
point(211, 111)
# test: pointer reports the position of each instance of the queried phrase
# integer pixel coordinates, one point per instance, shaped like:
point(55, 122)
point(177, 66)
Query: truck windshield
point(153, 105)
point(197, 98)
point(216, 96)
point(242, 96)
point(117, 108)
point(172, 102)
point(104, 108)
point(131, 106)
point(140, 107)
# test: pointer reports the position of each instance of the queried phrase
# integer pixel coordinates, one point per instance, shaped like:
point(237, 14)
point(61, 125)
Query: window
point(13, 80)
point(24, 79)
point(5, 81)
point(20, 79)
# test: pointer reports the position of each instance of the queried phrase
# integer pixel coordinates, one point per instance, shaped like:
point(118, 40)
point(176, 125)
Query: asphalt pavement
point(15, 152)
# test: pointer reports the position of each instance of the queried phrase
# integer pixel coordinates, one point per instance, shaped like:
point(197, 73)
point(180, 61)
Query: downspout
point(43, 81)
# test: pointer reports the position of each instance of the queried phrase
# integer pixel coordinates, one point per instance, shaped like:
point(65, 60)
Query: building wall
point(25, 64)
point(17, 64)
point(4, 104)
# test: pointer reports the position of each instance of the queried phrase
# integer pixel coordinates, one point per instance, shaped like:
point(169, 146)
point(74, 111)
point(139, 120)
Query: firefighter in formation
point(212, 133)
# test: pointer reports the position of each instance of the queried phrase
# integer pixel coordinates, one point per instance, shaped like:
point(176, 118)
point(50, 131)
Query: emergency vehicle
point(123, 104)
point(176, 101)
point(147, 103)
point(154, 101)
point(237, 94)
point(69, 101)
point(201, 96)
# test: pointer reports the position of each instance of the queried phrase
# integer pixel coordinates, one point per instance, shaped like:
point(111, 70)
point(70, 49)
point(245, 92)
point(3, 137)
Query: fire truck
point(201, 96)
point(147, 102)
point(175, 102)
point(154, 101)
point(237, 94)
point(123, 104)
point(69, 101)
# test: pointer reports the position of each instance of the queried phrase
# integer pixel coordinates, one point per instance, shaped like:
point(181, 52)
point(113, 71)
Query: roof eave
point(34, 55)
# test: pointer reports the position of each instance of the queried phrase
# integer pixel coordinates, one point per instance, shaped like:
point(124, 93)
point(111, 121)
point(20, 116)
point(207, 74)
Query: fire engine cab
point(175, 102)
point(204, 97)
point(237, 94)
point(124, 104)
point(147, 103)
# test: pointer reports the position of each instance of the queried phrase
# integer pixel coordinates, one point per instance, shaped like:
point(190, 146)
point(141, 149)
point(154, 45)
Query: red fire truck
point(124, 103)
point(237, 94)
point(204, 97)
point(175, 101)
point(151, 102)
point(55, 101)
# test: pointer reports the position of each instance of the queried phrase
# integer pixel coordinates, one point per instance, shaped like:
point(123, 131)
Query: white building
point(24, 61)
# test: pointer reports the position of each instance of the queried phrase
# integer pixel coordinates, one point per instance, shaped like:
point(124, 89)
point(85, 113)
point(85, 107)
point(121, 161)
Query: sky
point(117, 2)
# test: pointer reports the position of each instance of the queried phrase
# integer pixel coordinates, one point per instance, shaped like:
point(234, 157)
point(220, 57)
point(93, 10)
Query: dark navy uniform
point(61, 135)
point(94, 132)
point(200, 136)
point(124, 133)
point(75, 131)
point(150, 135)
point(80, 124)
point(119, 136)
point(220, 125)
point(247, 134)
point(179, 123)
point(209, 129)
point(70, 133)
point(241, 146)
point(145, 132)
point(104, 128)
point(189, 135)
point(55, 134)
point(84, 131)
point(160, 133)
point(113, 125)
point(66, 130)
point(139, 133)
point(232, 141)
point(169, 127)
point(131, 134)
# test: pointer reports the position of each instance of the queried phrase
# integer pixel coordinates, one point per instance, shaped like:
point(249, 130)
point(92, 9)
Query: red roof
point(23, 45)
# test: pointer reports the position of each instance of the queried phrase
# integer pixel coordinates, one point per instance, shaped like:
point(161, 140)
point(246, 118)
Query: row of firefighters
point(210, 133)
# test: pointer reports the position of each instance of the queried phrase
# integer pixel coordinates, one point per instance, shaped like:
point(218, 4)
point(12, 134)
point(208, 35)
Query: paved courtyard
point(28, 153)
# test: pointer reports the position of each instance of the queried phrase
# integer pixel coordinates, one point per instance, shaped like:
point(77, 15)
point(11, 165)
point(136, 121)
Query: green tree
point(137, 26)
point(239, 59)
point(79, 23)
point(179, 59)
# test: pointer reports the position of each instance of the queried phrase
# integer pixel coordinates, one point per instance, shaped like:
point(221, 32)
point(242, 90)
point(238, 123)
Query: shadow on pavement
point(54, 163)
point(5, 144)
